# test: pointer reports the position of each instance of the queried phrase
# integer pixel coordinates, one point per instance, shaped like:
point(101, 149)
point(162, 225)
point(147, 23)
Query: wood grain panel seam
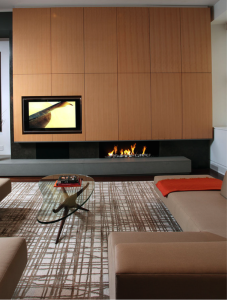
point(182, 102)
point(196, 72)
point(50, 55)
point(102, 73)
point(149, 16)
point(164, 72)
point(32, 74)
point(150, 108)
point(136, 72)
point(118, 109)
point(85, 138)
point(67, 73)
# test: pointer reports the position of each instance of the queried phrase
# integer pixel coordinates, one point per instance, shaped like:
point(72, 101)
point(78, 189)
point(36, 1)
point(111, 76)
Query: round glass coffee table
point(60, 202)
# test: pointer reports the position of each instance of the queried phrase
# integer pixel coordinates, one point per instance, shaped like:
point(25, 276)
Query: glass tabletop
point(61, 202)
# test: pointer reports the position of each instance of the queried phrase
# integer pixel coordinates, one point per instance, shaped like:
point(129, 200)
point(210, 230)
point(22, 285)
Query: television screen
point(52, 114)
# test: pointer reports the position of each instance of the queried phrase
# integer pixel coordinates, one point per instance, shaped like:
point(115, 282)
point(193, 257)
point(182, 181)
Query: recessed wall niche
point(198, 151)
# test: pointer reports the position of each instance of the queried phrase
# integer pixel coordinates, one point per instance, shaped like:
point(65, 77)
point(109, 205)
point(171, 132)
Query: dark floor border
point(121, 178)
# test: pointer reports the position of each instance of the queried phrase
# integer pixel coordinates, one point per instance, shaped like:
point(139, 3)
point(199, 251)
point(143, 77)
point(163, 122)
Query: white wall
point(219, 74)
point(218, 150)
point(220, 9)
point(5, 91)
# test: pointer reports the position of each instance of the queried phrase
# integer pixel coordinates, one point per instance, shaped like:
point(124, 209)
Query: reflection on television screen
point(52, 114)
point(61, 114)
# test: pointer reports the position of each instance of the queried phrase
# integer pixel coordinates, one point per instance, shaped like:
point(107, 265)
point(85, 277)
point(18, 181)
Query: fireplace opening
point(128, 149)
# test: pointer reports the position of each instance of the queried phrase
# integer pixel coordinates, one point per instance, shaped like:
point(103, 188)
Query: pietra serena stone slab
point(95, 166)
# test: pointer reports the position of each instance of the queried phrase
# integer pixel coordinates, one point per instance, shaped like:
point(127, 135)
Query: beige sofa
point(5, 187)
point(13, 254)
point(175, 265)
point(198, 210)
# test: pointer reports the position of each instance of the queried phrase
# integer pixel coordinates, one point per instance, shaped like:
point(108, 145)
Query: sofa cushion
point(158, 178)
point(168, 186)
point(199, 211)
point(13, 259)
point(224, 186)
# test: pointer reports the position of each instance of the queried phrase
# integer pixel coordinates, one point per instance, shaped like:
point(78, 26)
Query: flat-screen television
point(52, 114)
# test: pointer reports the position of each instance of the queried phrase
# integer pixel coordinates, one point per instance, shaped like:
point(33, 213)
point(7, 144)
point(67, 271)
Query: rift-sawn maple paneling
point(29, 85)
point(166, 106)
point(134, 106)
point(100, 34)
point(69, 85)
point(196, 39)
point(31, 41)
point(197, 105)
point(67, 40)
point(118, 42)
point(165, 45)
point(101, 107)
point(133, 39)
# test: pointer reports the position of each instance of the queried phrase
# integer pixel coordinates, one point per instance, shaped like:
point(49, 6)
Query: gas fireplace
point(129, 149)
point(127, 152)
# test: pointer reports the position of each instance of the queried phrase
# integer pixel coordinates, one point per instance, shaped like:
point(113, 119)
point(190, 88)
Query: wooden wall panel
point(118, 41)
point(134, 107)
point(197, 105)
point(101, 107)
point(165, 39)
point(31, 41)
point(69, 85)
point(67, 43)
point(28, 85)
point(196, 39)
point(133, 39)
point(100, 33)
point(166, 106)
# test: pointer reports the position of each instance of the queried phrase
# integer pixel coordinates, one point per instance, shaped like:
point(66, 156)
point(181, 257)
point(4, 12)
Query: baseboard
point(218, 168)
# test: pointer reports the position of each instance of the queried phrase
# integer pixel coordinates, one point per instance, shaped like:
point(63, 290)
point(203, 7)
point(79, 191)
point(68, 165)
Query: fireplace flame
point(111, 153)
point(127, 152)
point(133, 147)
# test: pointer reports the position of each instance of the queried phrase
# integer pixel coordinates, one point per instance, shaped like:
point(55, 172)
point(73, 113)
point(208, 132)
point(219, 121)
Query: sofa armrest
point(5, 187)
point(171, 258)
point(171, 270)
point(13, 259)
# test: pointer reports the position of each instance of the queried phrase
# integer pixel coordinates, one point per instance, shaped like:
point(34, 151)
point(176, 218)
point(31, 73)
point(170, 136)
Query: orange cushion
point(190, 184)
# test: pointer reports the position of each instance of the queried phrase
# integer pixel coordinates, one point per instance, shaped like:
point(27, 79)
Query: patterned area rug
point(77, 267)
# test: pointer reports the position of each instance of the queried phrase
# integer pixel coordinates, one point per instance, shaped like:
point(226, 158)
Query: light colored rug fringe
point(77, 268)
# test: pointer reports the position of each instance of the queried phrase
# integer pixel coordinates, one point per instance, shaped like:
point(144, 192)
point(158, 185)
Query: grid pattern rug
point(77, 267)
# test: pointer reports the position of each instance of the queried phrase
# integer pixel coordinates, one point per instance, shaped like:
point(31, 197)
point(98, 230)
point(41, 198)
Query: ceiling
point(220, 6)
point(10, 4)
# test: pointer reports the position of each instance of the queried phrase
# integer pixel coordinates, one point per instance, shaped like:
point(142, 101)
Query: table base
point(63, 222)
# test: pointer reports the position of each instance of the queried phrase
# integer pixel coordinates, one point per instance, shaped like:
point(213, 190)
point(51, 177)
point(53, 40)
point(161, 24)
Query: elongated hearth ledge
point(95, 166)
